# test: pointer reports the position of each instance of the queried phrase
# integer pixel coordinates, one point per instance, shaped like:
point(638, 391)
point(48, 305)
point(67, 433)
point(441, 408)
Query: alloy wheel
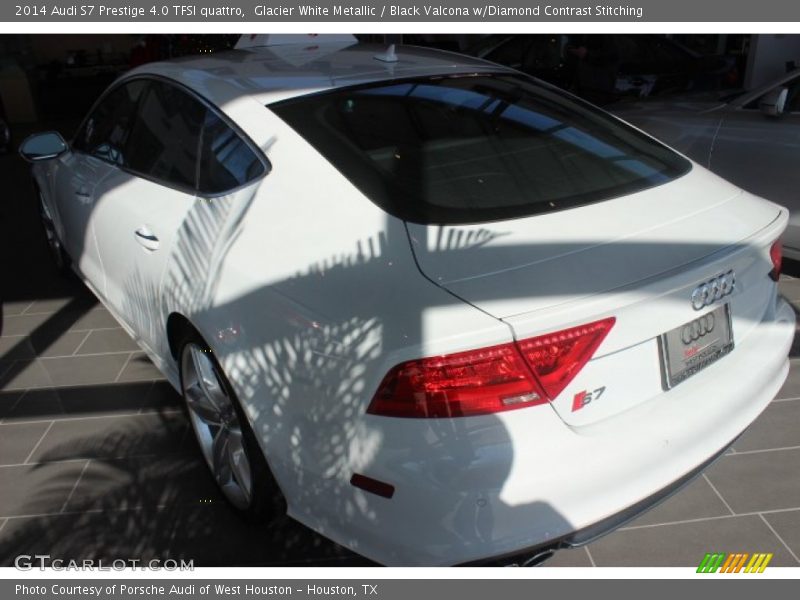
point(216, 425)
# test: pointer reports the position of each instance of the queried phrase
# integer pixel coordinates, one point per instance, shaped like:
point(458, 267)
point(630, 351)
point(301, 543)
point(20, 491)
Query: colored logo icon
point(734, 563)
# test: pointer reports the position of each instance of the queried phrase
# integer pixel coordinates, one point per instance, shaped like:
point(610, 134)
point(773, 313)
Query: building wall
point(768, 56)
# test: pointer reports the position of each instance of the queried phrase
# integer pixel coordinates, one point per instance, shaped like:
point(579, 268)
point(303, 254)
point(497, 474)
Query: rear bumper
point(468, 489)
point(593, 532)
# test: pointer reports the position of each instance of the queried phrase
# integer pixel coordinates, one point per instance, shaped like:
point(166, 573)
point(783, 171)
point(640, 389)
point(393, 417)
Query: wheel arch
point(178, 327)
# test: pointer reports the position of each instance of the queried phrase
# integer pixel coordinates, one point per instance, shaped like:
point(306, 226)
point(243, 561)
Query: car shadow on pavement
point(137, 488)
point(117, 474)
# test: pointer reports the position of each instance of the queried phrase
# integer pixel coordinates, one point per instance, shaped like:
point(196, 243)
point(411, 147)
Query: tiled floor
point(96, 459)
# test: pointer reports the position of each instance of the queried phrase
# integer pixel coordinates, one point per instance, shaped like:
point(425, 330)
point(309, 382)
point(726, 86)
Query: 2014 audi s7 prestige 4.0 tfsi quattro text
point(450, 313)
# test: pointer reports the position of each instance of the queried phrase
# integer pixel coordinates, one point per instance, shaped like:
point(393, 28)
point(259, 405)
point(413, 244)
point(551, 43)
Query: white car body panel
point(308, 293)
point(78, 183)
point(126, 208)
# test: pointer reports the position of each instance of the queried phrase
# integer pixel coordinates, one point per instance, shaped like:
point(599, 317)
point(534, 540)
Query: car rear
point(645, 332)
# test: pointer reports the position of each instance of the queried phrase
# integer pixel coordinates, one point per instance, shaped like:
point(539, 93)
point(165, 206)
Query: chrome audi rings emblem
point(693, 331)
point(709, 292)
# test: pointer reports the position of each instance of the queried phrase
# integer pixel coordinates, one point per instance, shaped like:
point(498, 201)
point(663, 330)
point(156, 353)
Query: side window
point(226, 161)
point(165, 139)
point(105, 131)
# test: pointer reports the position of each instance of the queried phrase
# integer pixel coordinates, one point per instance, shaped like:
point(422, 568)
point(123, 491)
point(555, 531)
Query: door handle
point(147, 238)
point(82, 196)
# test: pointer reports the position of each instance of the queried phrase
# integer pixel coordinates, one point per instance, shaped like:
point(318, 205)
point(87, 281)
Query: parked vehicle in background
point(607, 67)
point(751, 139)
point(451, 313)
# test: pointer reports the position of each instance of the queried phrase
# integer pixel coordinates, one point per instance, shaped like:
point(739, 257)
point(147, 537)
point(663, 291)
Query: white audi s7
point(449, 313)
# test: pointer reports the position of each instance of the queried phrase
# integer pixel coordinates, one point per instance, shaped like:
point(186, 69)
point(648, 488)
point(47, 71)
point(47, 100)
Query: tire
point(223, 434)
point(58, 255)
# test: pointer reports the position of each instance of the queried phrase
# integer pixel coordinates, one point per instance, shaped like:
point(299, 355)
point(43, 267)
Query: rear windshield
point(477, 148)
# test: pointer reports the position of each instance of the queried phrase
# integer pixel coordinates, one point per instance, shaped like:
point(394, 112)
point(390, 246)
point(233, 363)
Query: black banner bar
point(409, 11)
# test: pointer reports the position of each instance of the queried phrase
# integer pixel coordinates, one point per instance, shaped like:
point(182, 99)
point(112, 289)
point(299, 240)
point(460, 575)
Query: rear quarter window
point(226, 160)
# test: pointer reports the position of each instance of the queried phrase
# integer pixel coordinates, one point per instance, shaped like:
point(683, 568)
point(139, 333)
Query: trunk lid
point(518, 266)
point(636, 258)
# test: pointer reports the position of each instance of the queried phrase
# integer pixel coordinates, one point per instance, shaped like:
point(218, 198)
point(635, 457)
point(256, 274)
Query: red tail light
point(488, 380)
point(475, 382)
point(556, 358)
point(776, 256)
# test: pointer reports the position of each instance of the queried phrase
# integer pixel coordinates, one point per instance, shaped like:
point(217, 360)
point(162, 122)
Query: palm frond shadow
point(146, 494)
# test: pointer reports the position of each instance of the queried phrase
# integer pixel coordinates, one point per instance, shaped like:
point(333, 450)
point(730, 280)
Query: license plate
point(693, 346)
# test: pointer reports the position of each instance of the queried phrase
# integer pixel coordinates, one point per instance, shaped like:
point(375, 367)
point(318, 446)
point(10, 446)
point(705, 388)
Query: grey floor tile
point(790, 288)
point(14, 307)
point(23, 324)
point(15, 348)
point(18, 440)
point(134, 534)
point(37, 489)
point(695, 501)
point(139, 368)
point(98, 318)
point(791, 389)
point(108, 340)
point(576, 557)
point(80, 401)
point(104, 399)
point(21, 375)
point(8, 400)
point(81, 297)
point(38, 404)
point(45, 329)
point(150, 482)
point(777, 427)
point(84, 370)
point(280, 540)
point(758, 482)
point(209, 535)
point(162, 395)
point(787, 526)
point(685, 544)
point(114, 437)
point(64, 345)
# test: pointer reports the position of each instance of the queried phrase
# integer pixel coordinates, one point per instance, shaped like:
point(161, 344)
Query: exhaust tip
point(538, 559)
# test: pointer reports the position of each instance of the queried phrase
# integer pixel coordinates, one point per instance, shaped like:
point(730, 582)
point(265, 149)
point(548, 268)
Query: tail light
point(476, 382)
point(556, 358)
point(776, 256)
point(488, 380)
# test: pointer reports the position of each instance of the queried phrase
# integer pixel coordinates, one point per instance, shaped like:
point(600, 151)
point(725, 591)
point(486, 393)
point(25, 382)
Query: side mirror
point(773, 102)
point(43, 146)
